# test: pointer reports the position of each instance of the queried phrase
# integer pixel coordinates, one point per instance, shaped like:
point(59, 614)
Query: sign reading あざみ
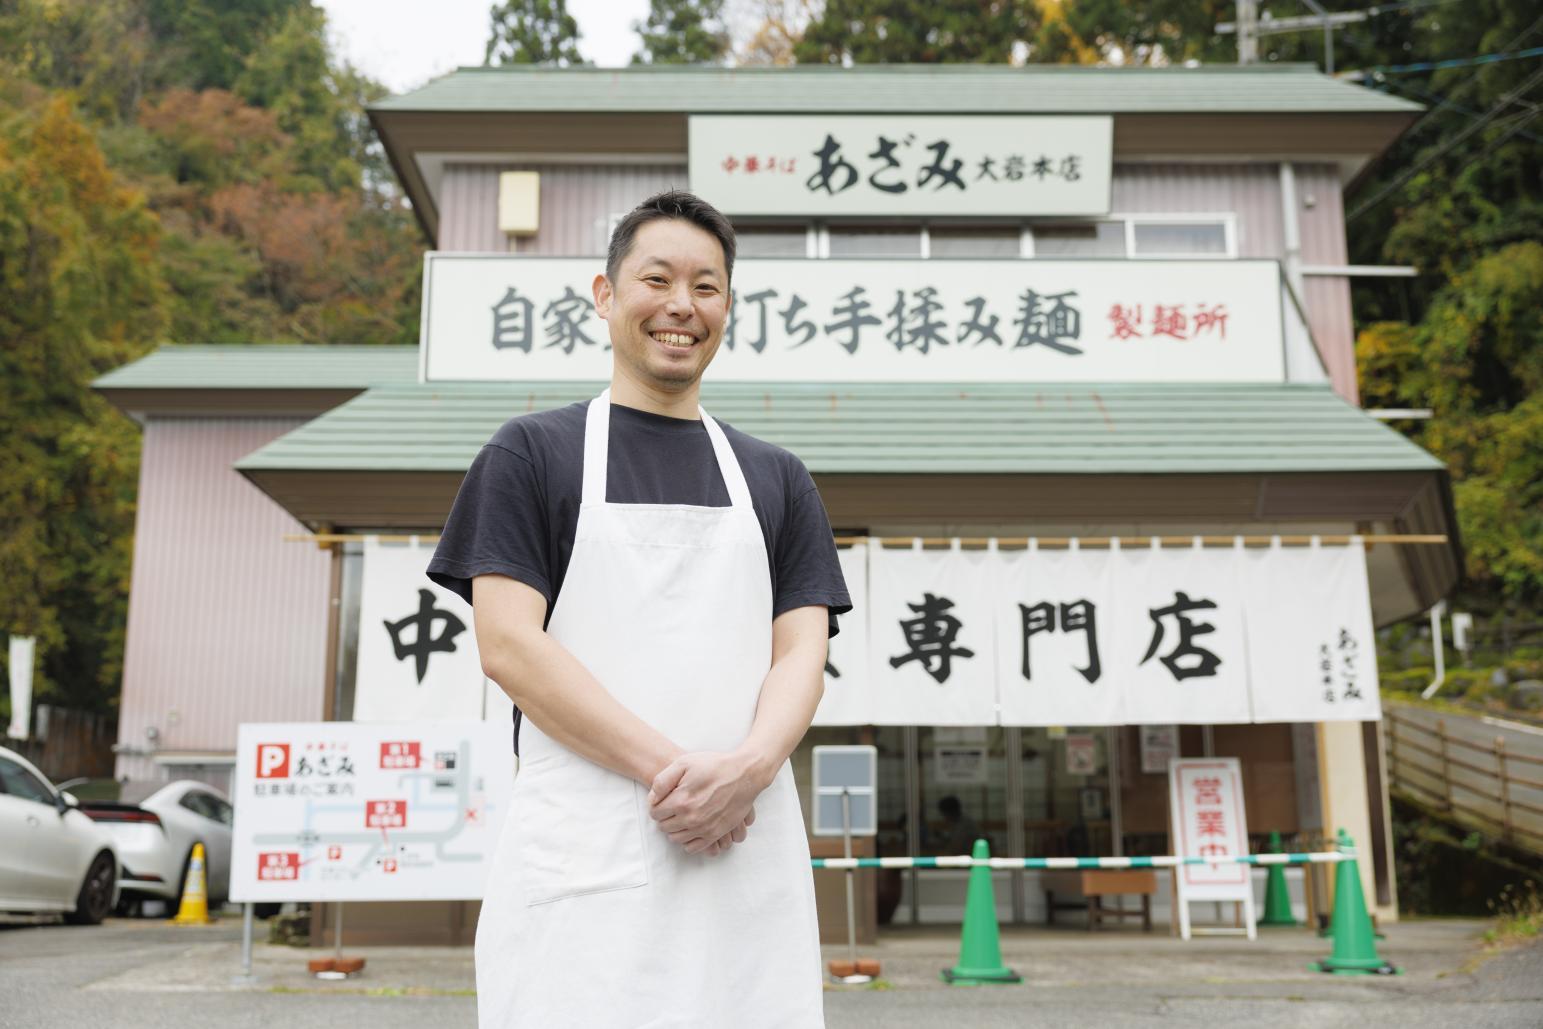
point(902, 165)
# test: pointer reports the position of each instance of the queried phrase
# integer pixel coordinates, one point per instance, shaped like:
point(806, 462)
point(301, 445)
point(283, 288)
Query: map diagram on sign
point(328, 815)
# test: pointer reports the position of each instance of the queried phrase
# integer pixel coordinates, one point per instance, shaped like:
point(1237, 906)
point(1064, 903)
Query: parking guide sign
point(339, 811)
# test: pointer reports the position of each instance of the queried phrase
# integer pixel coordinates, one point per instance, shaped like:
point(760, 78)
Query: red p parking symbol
point(273, 761)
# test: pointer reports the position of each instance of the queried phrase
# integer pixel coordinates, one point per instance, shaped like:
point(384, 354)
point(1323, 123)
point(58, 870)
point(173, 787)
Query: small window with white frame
point(1181, 236)
point(1138, 235)
point(771, 240)
point(1103, 238)
point(874, 239)
point(963, 240)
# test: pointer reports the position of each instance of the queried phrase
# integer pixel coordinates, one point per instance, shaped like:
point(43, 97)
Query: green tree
point(206, 44)
point(192, 171)
point(98, 50)
point(532, 32)
point(682, 32)
point(916, 31)
point(291, 76)
point(80, 293)
point(779, 25)
point(1476, 361)
point(1154, 32)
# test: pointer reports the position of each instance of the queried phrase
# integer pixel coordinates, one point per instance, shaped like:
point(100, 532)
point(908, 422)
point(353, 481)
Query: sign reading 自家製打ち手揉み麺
point(903, 165)
point(501, 318)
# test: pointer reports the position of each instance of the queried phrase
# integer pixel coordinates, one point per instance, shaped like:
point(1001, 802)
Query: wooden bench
point(1093, 884)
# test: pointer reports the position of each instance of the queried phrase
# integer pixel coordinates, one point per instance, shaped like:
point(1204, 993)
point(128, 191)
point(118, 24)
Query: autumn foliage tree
point(185, 171)
point(80, 293)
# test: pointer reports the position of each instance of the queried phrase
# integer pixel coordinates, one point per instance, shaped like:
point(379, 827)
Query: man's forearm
point(790, 693)
point(557, 693)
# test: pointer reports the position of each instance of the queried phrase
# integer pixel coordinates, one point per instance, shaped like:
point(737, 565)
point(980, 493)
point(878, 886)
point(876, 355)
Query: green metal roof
point(881, 428)
point(954, 89)
point(265, 366)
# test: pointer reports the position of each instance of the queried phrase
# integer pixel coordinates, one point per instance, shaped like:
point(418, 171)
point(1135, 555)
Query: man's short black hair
point(672, 203)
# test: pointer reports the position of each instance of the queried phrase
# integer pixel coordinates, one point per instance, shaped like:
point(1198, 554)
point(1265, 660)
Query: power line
point(1521, 120)
point(1456, 62)
point(1373, 45)
point(1442, 103)
point(1488, 116)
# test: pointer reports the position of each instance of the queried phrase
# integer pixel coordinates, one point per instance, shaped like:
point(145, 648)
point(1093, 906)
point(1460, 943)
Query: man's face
point(667, 307)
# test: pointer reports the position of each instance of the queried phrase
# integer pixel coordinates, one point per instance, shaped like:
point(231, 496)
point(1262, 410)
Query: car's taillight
point(124, 815)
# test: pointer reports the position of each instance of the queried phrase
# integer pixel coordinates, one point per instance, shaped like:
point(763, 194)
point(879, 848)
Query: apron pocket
point(581, 829)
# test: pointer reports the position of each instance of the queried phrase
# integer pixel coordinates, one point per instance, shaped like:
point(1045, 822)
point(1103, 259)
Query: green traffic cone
point(980, 949)
point(1355, 944)
point(1277, 898)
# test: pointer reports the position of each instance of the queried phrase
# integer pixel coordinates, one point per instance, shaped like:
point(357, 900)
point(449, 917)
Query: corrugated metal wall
point(227, 622)
point(1250, 191)
point(577, 202)
point(1327, 298)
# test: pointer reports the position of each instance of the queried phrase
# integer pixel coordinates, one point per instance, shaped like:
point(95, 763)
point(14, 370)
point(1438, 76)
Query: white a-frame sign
point(1205, 797)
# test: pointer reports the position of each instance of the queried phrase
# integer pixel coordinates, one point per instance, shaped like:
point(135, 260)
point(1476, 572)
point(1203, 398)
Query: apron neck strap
point(597, 448)
point(728, 464)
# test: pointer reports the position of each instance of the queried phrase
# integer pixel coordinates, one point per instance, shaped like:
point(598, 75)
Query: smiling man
point(654, 590)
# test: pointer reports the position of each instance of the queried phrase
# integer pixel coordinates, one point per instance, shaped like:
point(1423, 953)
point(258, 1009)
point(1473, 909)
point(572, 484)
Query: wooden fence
point(1482, 773)
point(66, 743)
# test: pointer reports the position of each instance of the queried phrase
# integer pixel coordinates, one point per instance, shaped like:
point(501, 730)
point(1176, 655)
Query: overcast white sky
point(404, 43)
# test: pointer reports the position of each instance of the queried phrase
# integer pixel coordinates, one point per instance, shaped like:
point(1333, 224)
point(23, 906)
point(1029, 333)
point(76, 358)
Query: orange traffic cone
point(194, 909)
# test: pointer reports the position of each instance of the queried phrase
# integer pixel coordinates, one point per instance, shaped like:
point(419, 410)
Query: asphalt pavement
point(144, 972)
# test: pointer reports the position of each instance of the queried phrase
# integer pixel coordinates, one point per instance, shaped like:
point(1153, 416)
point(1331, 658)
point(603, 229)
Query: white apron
point(592, 918)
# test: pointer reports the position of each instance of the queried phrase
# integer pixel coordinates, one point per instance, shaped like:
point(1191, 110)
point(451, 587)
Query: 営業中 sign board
point(1205, 801)
point(338, 811)
point(902, 165)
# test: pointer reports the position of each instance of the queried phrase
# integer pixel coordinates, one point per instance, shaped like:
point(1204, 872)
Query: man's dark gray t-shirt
point(518, 507)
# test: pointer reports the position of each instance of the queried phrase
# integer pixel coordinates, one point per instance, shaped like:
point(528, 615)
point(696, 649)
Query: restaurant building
point(1004, 315)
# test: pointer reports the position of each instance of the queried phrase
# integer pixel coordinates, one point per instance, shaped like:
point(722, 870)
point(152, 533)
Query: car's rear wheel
point(96, 892)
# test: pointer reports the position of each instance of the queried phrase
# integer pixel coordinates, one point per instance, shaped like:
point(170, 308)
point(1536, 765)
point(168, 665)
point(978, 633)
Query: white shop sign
point(498, 317)
point(1084, 636)
point(902, 165)
point(337, 811)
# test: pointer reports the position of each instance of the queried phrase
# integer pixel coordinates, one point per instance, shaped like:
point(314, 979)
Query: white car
point(155, 838)
point(52, 857)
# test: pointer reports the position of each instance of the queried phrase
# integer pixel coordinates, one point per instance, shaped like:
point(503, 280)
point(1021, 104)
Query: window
point(200, 804)
point(973, 241)
point(875, 241)
point(1080, 239)
point(1169, 239)
point(1136, 236)
point(18, 782)
point(772, 241)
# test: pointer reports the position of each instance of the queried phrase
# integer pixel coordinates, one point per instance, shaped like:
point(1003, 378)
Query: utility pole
point(1249, 28)
point(1248, 31)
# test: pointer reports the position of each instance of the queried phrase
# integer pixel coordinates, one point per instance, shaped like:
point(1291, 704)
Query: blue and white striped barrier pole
point(1153, 861)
